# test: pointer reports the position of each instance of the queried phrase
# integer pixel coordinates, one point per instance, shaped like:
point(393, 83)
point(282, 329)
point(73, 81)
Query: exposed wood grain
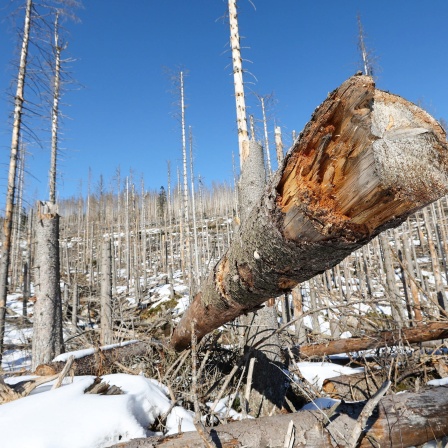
point(366, 160)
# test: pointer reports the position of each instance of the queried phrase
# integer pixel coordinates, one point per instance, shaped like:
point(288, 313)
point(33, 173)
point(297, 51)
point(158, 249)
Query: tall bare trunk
point(10, 193)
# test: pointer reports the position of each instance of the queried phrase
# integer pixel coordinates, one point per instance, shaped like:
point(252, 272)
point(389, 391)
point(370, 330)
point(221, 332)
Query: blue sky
point(299, 51)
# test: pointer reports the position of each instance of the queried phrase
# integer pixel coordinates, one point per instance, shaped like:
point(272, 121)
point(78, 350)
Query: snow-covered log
point(365, 162)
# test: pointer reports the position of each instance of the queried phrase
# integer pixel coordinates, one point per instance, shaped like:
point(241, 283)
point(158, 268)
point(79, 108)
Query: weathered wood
point(356, 387)
point(365, 161)
point(430, 332)
point(103, 360)
point(48, 340)
point(402, 420)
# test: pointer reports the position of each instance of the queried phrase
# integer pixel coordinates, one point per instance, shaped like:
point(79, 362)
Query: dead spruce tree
point(365, 162)
point(14, 151)
point(48, 341)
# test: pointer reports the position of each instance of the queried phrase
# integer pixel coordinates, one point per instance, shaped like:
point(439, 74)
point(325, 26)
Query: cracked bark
point(366, 161)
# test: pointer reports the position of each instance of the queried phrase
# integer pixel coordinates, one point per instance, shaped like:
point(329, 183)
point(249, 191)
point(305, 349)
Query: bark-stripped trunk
point(365, 161)
point(55, 111)
point(10, 192)
point(47, 326)
point(278, 145)
point(237, 62)
point(107, 335)
point(266, 137)
point(396, 303)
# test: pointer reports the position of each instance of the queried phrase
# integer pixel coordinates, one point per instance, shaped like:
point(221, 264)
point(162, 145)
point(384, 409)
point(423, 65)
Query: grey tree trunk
point(27, 266)
point(106, 336)
point(392, 290)
point(47, 327)
point(269, 385)
point(10, 193)
point(75, 302)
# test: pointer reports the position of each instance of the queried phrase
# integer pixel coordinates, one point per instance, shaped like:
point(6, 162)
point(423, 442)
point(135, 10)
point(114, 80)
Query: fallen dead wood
point(103, 360)
point(365, 161)
point(356, 387)
point(421, 333)
point(401, 420)
point(22, 389)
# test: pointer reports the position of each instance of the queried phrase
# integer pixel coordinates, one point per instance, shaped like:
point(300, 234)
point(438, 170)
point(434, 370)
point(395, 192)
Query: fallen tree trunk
point(401, 420)
point(421, 333)
point(103, 360)
point(365, 162)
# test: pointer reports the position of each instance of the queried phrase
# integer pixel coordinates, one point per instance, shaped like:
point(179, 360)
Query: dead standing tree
point(10, 193)
point(48, 340)
point(365, 161)
point(266, 393)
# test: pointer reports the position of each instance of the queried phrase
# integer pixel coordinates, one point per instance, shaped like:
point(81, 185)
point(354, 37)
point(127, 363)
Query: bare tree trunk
point(300, 329)
point(243, 136)
point(193, 212)
point(440, 289)
point(106, 336)
point(75, 303)
point(10, 193)
point(266, 137)
point(394, 296)
point(47, 327)
point(27, 265)
point(350, 176)
point(279, 145)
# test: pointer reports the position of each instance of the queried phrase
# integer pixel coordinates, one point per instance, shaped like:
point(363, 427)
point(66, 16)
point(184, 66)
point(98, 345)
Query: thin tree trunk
point(10, 193)
point(350, 176)
point(279, 145)
point(75, 302)
point(106, 335)
point(392, 291)
point(297, 301)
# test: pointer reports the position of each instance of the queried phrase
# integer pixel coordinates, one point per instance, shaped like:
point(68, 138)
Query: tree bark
point(10, 192)
point(421, 333)
point(102, 361)
point(365, 161)
point(48, 341)
point(402, 420)
point(107, 334)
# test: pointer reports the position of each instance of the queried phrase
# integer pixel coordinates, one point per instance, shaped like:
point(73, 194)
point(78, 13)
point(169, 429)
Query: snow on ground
point(66, 417)
point(88, 351)
point(316, 373)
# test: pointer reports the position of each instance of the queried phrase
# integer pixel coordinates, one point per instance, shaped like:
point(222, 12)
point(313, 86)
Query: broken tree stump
point(422, 333)
point(365, 162)
point(401, 420)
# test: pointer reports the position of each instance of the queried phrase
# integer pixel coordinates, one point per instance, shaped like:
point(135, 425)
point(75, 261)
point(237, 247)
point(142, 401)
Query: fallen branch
point(422, 333)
